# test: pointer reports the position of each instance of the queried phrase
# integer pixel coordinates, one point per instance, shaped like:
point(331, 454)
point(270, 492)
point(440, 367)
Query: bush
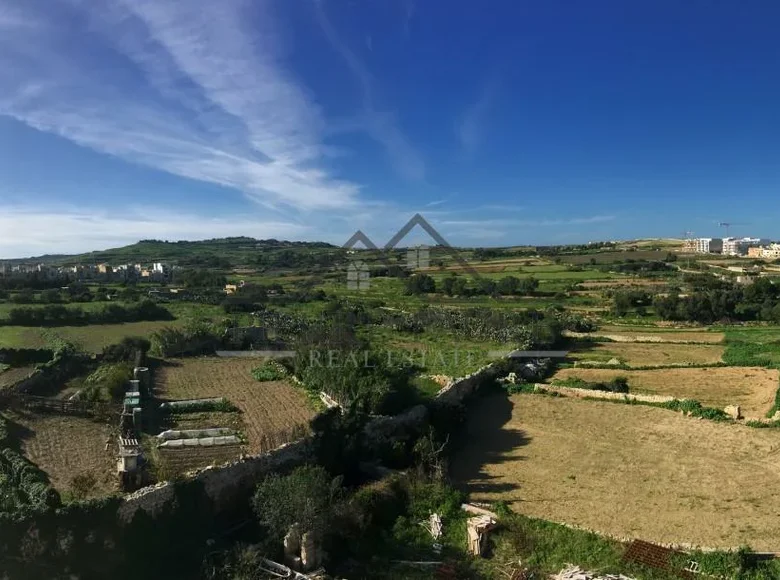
point(696, 409)
point(306, 497)
point(82, 485)
point(270, 371)
point(126, 350)
point(108, 382)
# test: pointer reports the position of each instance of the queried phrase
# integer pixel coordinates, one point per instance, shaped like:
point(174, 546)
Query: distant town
point(156, 272)
point(748, 247)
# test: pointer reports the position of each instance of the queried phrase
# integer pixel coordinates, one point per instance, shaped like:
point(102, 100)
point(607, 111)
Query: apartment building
point(771, 251)
point(708, 245)
point(741, 246)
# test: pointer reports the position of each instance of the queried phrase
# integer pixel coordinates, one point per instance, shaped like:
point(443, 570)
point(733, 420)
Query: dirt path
point(626, 470)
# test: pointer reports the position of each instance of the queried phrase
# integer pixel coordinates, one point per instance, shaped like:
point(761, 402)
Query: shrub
point(306, 497)
point(82, 485)
point(108, 382)
point(269, 371)
point(696, 409)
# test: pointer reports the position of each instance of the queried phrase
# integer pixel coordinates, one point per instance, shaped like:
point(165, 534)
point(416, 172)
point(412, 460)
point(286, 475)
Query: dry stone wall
point(593, 394)
point(224, 486)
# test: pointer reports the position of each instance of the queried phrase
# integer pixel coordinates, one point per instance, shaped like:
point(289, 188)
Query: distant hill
point(234, 250)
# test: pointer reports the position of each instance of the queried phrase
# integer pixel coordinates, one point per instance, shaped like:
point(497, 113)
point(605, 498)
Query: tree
point(528, 285)
point(448, 285)
point(306, 497)
point(486, 286)
point(420, 284)
point(508, 285)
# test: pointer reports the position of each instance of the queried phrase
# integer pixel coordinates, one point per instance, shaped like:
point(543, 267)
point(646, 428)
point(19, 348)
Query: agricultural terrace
point(648, 354)
point(266, 408)
point(627, 470)
point(92, 338)
point(652, 334)
point(752, 388)
point(66, 447)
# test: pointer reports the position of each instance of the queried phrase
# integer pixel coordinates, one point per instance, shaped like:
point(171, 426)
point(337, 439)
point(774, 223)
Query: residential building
point(771, 251)
point(740, 246)
point(160, 269)
point(708, 245)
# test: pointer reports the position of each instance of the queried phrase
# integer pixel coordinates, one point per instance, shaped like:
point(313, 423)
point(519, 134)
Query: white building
point(740, 246)
point(708, 245)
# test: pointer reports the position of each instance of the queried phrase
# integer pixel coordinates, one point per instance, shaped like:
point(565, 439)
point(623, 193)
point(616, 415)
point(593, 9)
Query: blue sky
point(502, 122)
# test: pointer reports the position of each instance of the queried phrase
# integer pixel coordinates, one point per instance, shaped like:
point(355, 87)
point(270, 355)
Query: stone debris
point(311, 555)
point(577, 573)
point(733, 411)
point(478, 528)
point(292, 548)
point(441, 380)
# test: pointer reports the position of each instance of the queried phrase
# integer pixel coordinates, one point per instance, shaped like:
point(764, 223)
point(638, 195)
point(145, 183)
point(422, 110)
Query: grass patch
point(222, 406)
point(696, 409)
point(752, 354)
point(426, 386)
point(271, 370)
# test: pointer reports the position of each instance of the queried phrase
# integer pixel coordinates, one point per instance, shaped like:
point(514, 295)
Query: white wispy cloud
point(489, 223)
point(206, 98)
point(380, 126)
point(470, 128)
point(28, 232)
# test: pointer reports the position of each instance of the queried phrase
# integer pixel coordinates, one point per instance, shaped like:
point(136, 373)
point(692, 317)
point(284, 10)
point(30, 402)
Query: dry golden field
point(621, 334)
point(647, 354)
point(752, 388)
point(625, 470)
point(268, 409)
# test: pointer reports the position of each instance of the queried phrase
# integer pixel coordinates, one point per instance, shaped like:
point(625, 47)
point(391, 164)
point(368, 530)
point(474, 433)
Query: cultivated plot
point(644, 354)
point(627, 470)
point(752, 388)
point(267, 408)
point(649, 334)
point(68, 446)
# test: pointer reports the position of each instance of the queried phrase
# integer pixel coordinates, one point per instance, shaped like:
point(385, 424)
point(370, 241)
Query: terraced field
point(650, 354)
point(628, 470)
point(752, 388)
point(268, 409)
point(67, 446)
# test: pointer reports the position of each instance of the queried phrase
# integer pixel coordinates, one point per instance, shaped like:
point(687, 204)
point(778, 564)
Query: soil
point(626, 470)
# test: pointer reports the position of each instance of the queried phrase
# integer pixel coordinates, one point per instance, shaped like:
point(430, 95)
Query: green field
point(91, 338)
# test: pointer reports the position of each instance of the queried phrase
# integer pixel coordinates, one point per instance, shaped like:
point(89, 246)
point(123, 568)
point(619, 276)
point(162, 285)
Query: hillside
point(238, 250)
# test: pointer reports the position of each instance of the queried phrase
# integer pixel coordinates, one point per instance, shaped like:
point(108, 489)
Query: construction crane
point(727, 225)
